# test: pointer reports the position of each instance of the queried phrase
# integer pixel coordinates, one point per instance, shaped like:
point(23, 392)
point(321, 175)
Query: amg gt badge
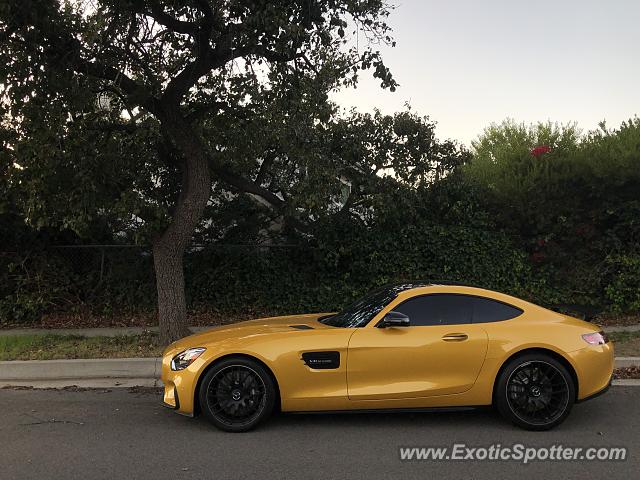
point(322, 360)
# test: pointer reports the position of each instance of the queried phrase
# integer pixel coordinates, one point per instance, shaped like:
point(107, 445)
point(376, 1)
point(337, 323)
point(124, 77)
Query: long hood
point(252, 328)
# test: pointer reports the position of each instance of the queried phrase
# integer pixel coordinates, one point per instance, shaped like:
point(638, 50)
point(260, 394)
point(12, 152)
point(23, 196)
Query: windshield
point(360, 312)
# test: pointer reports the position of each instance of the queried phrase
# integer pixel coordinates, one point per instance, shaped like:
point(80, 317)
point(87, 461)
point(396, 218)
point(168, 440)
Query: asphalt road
point(120, 435)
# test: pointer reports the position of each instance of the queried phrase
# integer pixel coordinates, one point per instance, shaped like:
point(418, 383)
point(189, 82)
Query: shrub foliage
point(560, 228)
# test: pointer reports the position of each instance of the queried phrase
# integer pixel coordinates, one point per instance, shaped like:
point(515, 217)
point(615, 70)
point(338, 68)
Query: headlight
point(186, 358)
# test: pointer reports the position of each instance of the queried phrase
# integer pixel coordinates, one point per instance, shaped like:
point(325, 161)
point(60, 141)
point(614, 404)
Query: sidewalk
point(113, 332)
point(88, 373)
point(87, 332)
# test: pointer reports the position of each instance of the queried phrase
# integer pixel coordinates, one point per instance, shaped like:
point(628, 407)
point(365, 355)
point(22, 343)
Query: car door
point(440, 353)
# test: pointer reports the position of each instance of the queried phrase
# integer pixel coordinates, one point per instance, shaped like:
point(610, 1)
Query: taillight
point(596, 338)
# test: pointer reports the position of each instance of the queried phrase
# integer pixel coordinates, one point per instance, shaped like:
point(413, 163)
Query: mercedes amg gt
point(408, 346)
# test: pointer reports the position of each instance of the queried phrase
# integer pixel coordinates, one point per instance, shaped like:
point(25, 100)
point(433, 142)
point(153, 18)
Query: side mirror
point(394, 319)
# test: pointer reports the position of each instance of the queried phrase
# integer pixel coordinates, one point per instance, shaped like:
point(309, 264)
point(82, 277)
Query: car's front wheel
point(237, 394)
point(535, 392)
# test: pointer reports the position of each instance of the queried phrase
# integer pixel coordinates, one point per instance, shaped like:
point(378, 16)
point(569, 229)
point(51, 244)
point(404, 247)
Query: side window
point(437, 309)
point(487, 310)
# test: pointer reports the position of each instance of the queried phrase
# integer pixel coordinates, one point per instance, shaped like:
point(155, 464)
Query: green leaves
point(573, 209)
point(623, 289)
point(85, 88)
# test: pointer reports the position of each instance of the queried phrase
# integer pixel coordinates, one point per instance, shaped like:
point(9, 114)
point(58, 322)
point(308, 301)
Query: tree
point(328, 164)
point(165, 71)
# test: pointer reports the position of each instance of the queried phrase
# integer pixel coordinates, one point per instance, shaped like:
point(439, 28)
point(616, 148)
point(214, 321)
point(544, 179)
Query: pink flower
point(540, 150)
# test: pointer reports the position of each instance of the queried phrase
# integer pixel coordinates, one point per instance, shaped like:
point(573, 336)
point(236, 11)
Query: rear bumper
point(598, 393)
point(594, 369)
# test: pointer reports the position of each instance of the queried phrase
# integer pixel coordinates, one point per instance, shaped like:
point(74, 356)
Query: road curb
point(114, 372)
point(626, 382)
point(35, 370)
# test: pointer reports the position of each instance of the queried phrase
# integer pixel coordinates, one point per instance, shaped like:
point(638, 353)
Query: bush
point(623, 290)
point(240, 281)
point(503, 162)
point(557, 228)
point(74, 280)
point(31, 285)
point(569, 209)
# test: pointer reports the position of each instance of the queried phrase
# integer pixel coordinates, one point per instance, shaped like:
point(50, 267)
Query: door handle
point(455, 337)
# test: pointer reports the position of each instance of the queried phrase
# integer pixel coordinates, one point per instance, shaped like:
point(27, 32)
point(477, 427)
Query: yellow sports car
point(401, 346)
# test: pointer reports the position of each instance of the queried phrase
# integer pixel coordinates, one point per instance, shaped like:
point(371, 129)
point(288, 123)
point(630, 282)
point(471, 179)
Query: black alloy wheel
point(535, 392)
point(237, 394)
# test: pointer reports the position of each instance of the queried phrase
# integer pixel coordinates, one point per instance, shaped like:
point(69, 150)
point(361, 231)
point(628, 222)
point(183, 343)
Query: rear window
point(487, 310)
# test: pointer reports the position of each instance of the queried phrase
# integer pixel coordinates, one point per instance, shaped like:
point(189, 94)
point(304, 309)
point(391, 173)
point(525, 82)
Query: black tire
point(237, 394)
point(535, 392)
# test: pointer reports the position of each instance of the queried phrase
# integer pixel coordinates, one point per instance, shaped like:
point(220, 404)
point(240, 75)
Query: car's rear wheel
point(237, 394)
point(535, 392)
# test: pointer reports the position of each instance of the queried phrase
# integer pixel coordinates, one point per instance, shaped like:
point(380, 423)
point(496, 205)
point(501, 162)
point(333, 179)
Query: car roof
point(403, 287)
point(406, 290)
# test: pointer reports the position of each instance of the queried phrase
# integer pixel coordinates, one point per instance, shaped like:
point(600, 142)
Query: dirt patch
point(616, 320)
point(626, 372)
point(69, 388)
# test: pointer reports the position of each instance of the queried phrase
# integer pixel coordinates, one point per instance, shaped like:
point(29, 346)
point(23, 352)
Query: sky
point(470, 63)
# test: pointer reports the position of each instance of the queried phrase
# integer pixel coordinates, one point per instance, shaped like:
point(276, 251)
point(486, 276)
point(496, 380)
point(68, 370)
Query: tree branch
point(163, 18)
point(209, 59)
point(267, 162)
point(247, 186)
point(60, 47)
point(200, 111)
point(136, 92)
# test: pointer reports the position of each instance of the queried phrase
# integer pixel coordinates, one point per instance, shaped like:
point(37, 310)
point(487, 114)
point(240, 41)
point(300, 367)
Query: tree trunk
point(172, 306)
point(169, 248)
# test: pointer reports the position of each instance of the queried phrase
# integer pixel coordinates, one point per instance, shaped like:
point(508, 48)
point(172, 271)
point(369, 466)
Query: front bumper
point(171, 399)
point(179, 386)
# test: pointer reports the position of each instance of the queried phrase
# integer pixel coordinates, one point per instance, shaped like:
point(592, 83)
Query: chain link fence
point(106, 279)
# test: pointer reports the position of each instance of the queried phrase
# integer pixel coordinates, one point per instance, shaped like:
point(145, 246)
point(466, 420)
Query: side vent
point(301, 327)
point(321, 360)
